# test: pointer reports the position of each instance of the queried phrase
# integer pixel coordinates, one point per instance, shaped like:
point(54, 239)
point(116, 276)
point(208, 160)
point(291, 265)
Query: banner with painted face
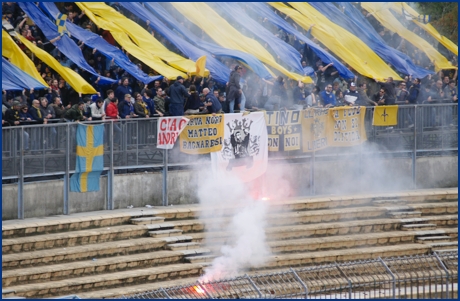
point(203, 134)
point(245, 147)
point(314, 121)
point(168, 130)
point(284, 130)
point(345, 126)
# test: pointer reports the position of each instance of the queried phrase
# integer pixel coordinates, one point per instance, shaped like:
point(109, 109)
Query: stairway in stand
point(107, 254)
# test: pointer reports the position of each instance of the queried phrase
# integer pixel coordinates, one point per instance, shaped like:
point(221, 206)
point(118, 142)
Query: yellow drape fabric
point(143, 39)
point(225, 35)
point(398, 6)
point(71, 77)
point(18, 58)
point(339, 41)
point(382, 13)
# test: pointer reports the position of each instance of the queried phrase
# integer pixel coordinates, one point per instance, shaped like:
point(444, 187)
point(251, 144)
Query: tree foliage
point(444, 17)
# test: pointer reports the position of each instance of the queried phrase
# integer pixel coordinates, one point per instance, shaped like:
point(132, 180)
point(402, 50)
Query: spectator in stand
point(414, 92)
point(193, 103)
point(126, 108)
point(450, 92)
point(402, 94)
point(351, 97)
point(46, 110)
point(362, 90)
point(380, 97)
point(24, 114)
point(445, 82)
point(148, 100)
point(234, 89)
point(123, 89)
point(140, 107)
point(438, 93)
point(327, 97)
point(178, 94)
point(160, 106)
point(97, 110)
point(212, 103)
point(111, 111)
point(75, 113)
point(223, 103)
point(59, 108)
point(108, 100)
point(389, 86)
point(36, 113)
point(12, 115)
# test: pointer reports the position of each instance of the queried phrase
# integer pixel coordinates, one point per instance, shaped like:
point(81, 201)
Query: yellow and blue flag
point(90, 162)
point(60, 23)
point(385, 115)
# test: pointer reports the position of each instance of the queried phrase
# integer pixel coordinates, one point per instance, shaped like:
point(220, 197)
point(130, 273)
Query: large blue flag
point(96, 42)
point(264, 11)
point(14, 78)
point(215, 49)
point(90, 158)
point(65, 44)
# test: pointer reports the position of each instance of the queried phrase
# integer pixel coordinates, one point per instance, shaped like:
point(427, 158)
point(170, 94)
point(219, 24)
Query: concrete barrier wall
point(331, 177)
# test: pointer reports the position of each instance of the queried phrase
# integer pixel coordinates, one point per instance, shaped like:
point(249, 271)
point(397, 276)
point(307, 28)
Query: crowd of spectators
point(130, 98)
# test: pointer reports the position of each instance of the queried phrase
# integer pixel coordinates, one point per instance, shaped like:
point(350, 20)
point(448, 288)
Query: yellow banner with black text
point(203, 134)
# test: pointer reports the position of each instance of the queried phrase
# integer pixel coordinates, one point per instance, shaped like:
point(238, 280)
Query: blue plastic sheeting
point(354, 21)
point(65, 44)
point(216, 50)
point(95, 41)
point(287, 54)
point(218, 70)
point(14, 78)
point(265, 12)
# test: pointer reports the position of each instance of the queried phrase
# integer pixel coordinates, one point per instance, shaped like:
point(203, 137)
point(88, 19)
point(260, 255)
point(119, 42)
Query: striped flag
point(60, 23)
point(200, 65)
point(90, 159)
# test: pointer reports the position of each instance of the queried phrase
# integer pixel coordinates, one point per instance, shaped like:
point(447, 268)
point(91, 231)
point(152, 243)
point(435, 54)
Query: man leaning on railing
point(75, 113)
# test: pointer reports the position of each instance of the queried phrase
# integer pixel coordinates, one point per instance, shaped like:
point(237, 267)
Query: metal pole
point(312, 172)
point(350, 285)
point(254, 285)
point(67, 171)
point(296, 276)
point(414, 152)
point(203, 288)
point(110, 174)
point(392, 276)
point(445, 270)
point(165, 177)
point(21, 176)
point(164, 292)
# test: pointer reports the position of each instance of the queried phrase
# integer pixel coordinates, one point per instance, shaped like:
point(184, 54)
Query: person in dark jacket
point(123, 89)
point(75, 113)
point(126, 108)
point(414, 92)
point(177, 93)
point(234, 89)
point(36, 113)
point(212, 103)
point(193, 104)
point(389, 87)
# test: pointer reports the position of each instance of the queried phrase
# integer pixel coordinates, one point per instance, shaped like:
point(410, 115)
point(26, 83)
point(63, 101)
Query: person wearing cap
point(351, 97)
point(178, 94)
point(12, 115)
point(234, 89)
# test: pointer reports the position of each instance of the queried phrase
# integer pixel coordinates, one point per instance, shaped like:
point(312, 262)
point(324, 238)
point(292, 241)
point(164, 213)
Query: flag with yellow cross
point(385, 115)
point(90, 162)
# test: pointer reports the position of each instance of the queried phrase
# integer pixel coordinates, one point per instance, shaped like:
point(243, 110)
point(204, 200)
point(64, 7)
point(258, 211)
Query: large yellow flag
point(381, 12)
point(200, 65)
point(18, 58)
point(203, 16)
point(71, 77)
point(339, 41)
point(385, 116)
point(398, 8)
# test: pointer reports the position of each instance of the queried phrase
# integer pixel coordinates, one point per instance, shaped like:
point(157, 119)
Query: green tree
point(444, 17)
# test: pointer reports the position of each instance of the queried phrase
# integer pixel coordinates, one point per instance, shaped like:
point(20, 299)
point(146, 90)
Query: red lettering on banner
point(163, 124)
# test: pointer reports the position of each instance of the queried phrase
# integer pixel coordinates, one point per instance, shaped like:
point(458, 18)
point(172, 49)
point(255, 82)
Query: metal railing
point(410, 277)
point(34, 151)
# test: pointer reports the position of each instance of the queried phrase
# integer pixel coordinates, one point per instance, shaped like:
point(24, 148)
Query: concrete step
point(147, 220)
point(73, 238)
point(92, 267)
point(200, 259)
point(415, 227)
point(404, 214)
point(165, 233)
point(105, 281)
point(183, 246)
point(427, 208)
point(88, 252)
point(440, 220)
point(436, 246)
point(447, 251)
point(430, 239)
